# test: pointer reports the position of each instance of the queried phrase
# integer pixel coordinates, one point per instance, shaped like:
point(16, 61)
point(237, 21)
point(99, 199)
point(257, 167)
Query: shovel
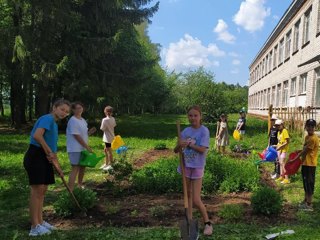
point(69, 190)
point(188, 226)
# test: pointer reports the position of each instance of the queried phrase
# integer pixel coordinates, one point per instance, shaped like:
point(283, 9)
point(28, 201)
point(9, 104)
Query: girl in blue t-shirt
point(39, 160)
point(194, 143)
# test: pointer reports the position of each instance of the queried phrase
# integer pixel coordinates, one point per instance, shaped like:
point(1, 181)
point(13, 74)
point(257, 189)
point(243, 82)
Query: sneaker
point(107, 168)
point(48, 226)
point(307, 208)
point(207, 230)
point(39, 230)
point(285, 181)
point(103, 166)
point(274, 176)
point(280, 179)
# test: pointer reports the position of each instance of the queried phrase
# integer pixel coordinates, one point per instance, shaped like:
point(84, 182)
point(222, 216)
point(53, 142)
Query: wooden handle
point(184, 181)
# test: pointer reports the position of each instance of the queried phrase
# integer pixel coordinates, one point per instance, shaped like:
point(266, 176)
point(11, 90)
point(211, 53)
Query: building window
point(303, 84)
point(318, 22)
point(285, 93)
point(267, 64)
point(268, 97)
point(288, 45)
point(296, 36)
point(281, 50)
point(317, 87)
point(270, 61)
point(293, 86)
point(273, 96)
point(263, 64)
point(275, 57)
point(306, 26)
point(278, 103)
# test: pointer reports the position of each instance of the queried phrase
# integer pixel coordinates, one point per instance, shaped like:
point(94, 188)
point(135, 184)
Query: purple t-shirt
point(199, 137)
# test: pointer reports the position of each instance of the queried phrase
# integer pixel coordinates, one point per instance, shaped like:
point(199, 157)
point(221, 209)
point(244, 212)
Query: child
point(77, 141)
point(194, 143)
point(273, 141)
point(241, 125)
point(38, 161)
point(282, 148)
point(222, 134)
point(107, 126)
point(309, 156)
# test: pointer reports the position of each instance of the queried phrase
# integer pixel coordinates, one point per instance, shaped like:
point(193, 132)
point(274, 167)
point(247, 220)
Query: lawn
point(142, 134)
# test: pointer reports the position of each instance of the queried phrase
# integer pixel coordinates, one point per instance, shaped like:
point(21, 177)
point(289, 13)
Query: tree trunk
point(42, 101)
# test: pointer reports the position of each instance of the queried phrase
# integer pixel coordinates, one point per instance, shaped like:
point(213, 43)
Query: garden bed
point(147, 210)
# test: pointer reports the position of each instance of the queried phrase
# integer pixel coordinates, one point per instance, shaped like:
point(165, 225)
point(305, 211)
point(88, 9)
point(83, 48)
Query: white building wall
point(289, 68)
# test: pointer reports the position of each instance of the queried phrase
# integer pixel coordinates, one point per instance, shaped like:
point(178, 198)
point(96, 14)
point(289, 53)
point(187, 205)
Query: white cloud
point(236, 62)
point(189, 53)
point(251, 15)
point(222, 30)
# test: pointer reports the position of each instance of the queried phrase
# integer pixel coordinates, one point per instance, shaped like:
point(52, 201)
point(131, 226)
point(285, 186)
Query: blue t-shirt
point(51, 131)
point(199, 137)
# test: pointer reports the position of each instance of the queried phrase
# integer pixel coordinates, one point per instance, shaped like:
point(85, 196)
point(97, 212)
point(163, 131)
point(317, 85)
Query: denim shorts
point(192, 173)
point(74, 158)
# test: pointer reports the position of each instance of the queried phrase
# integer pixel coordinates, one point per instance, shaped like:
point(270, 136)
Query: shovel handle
point(67, 187)
point(184, 181)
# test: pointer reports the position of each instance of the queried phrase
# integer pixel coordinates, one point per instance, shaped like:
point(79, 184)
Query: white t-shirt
point(76, 127)
point(107, 126)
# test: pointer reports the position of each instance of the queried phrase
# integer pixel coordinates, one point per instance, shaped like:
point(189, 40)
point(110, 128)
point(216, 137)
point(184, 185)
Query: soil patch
point(146, 210)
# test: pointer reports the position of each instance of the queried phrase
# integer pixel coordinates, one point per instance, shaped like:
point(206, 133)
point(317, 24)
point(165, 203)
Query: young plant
point(266, 201)
point(231, 212)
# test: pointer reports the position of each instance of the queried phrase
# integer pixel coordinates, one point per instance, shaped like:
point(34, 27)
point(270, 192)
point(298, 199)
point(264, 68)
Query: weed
point(160, 146)
point(158, 211)
point(231, 212)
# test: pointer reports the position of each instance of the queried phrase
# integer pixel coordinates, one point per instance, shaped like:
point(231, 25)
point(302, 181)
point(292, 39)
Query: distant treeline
point(98, 52)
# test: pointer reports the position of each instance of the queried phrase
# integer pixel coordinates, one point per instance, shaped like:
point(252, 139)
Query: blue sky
point(223, 36)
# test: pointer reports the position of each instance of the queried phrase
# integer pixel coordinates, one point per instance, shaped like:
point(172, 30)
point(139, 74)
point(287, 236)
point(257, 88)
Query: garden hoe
point(83, 210)
point(188, 226)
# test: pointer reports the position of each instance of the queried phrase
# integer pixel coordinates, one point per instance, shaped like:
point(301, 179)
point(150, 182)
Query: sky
point(223, 36)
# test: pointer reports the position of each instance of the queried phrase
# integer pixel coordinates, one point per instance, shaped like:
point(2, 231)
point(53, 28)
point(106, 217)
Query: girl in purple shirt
point(194, 143)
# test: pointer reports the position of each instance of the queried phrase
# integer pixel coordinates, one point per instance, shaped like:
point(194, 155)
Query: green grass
point(140, 134)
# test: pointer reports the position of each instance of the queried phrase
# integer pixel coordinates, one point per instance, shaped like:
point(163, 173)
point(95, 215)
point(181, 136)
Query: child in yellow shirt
point(309, 156)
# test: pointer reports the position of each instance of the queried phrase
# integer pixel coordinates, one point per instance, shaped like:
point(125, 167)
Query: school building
point(286, 70)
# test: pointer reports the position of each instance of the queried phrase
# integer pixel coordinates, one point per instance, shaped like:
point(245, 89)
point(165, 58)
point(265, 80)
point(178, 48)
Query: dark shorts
point(108, 145)
point(308, 178)
point(39, 169)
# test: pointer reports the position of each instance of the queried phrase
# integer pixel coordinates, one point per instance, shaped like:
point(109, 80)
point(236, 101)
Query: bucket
point(271, 154)
point(88, 159)
point(292, 168)
point(117, 142)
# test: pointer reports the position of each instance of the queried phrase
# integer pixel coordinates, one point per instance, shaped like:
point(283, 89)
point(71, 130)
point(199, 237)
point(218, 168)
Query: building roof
point(285, 19)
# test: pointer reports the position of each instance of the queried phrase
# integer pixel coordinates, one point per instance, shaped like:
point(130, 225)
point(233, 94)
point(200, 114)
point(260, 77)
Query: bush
point(231, 212)
point(158, 177)
point(229, 175)
point(65, 205)
point(266, 201)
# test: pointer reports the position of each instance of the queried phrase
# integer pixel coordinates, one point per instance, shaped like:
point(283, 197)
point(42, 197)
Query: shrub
point(266, 201)
point(158, 177)
point(231, 212)
point(65, 206)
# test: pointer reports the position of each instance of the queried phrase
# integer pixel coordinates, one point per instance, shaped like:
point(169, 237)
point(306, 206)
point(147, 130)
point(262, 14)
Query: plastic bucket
point(292, 168)
point(236, 135)
point(117, 142)
point(88, 159)
point(271, 154)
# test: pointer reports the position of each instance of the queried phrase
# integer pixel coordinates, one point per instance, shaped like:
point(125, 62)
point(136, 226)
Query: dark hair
point(75, 104)
point(60, 102)
point(311, 122)
point(195, 107)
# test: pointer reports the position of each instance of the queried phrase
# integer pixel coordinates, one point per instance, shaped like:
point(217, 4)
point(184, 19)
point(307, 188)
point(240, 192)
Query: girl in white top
point(77, 141)
point(107, 126)
point(222, 134)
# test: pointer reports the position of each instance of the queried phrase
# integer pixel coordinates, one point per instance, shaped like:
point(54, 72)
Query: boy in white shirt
point(107, 126)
